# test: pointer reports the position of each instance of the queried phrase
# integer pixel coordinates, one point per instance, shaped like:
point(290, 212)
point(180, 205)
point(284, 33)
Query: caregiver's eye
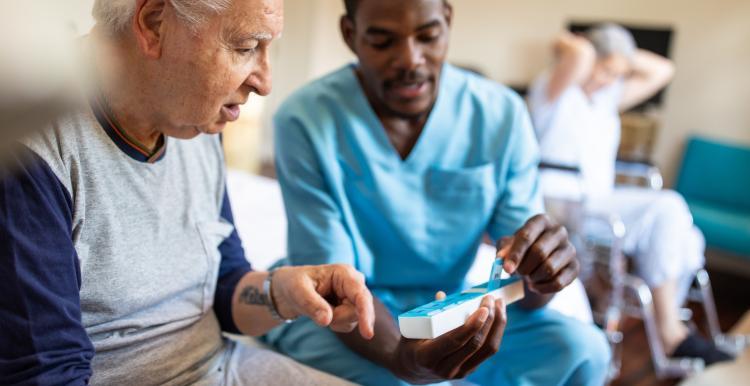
point(382, 43)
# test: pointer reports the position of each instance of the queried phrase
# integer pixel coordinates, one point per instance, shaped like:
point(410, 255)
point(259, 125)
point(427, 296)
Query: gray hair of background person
point(115, 15)
point(610, 38)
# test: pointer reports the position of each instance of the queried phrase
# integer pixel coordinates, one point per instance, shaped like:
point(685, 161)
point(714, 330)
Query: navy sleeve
point(234, 266)
point(42, 338)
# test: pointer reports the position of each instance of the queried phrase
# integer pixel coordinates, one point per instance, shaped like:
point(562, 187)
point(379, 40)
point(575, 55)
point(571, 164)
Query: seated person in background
point(399, 165)
point(575, 109)
point(119, 264)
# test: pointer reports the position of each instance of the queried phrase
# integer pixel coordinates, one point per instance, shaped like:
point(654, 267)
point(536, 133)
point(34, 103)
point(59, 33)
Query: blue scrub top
point(411, 226)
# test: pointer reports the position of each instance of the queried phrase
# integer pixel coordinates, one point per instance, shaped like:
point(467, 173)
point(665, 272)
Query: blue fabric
point(233, 267)
point(42, 339)
point(413, 226)
point(725, 168)
point(715, 180)
point(540, 347)
point(726, 229)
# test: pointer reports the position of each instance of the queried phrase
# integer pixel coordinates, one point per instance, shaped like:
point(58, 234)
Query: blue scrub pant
point(540, 347)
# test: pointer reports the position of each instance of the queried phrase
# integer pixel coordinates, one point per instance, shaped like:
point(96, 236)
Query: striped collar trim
point(122, 140)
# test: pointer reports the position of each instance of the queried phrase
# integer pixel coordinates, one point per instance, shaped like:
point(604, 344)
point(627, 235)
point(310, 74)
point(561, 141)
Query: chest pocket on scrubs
point(460, 205)
point(212, 234)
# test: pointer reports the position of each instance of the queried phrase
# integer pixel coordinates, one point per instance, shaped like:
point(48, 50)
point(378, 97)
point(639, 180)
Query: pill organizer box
point(436, 318)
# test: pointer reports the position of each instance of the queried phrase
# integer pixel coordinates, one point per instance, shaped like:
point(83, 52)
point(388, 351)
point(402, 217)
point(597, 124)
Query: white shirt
point(576, 130)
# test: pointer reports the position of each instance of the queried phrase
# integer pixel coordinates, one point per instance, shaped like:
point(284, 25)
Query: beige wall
point(78, 12)
point(509, 40)
point(711, 48)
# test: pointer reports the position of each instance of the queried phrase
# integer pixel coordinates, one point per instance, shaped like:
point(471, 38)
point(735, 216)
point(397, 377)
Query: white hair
point(116, 15)
point(610, 38)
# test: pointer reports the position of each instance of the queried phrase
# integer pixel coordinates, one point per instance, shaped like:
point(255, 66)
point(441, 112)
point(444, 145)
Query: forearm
point(574, 60)
point(650, 73)
point(382, 349)
point(249, 306)
point(650, 65)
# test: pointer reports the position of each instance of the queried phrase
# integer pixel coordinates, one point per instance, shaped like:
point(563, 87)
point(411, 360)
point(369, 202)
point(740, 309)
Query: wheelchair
point(598, 238)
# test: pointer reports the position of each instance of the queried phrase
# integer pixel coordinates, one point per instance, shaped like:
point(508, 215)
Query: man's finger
point(312, 305)
point(344, 318)
point(550, 240)
point(504, 246)
point(366, 314)
point(345, 313)
point(522, 241)
point(452, 364)
point(351, 286)
point(450, 342)
point(552, 266)
point(542, 248)
point(492, 344)
point(556, 284)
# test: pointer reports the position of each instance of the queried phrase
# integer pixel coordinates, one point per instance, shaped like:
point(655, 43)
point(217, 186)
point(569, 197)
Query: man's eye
point(246, 51)
point(381, 44)
point(429, 38)
point(248, 48)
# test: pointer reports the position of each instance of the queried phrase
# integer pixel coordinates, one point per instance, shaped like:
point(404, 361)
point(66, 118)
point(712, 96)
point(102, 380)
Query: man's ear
point(448, 12)
point(148, 26)
point(347, 31)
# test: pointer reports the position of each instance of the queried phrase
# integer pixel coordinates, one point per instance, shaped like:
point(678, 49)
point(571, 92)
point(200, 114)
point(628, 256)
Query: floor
point(732, 295)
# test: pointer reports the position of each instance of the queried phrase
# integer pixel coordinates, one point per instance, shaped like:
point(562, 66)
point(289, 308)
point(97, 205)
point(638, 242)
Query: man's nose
point(409, 55)
point(260, 78)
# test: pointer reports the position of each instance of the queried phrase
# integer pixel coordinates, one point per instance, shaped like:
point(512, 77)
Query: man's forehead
point(255, 19)
point(398, 14)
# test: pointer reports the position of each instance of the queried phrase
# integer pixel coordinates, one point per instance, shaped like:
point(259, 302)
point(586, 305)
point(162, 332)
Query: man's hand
point(455, 354)
point(331, 295)
point(541, 252)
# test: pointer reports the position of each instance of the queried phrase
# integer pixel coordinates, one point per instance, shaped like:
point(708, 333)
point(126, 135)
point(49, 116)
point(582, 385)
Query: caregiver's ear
point(346, 24)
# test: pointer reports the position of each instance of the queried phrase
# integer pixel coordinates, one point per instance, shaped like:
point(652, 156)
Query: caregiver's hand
point(457, 353)
point(542, 254)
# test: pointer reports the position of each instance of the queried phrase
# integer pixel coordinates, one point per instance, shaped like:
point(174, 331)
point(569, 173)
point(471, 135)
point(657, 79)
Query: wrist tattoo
point(253, 296)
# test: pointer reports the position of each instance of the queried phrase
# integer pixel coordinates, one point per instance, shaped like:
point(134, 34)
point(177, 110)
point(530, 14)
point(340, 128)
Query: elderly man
point(400, 165)
point(119, 263)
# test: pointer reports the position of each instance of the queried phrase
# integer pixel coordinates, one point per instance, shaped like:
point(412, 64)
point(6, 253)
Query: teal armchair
point(715, 181)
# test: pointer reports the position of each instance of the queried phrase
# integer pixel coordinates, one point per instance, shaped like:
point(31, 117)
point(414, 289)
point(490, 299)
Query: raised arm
point(650, 73)
point(574, 60)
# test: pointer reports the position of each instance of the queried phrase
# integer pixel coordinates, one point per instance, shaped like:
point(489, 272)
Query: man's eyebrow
point(434, 23)
point(259, 36)
point(384, 31)
point(378, 31)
